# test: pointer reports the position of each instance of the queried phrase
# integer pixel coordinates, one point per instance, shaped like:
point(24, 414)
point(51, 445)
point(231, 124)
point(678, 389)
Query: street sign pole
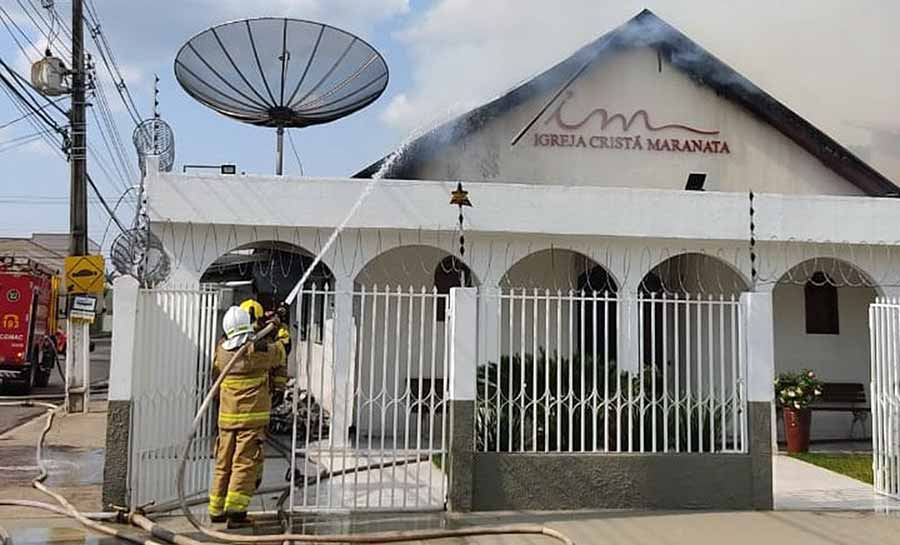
point(78, 355)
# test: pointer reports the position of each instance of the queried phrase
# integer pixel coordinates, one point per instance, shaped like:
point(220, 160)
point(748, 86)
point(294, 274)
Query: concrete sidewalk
point(73, 452)
point(807, 487)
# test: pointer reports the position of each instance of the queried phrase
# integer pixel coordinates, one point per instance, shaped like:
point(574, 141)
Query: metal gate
point(554, 379)
point(884, 329)
point(174, 342)
point(371, 423)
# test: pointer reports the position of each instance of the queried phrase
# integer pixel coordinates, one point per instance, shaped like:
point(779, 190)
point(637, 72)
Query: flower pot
point(796, 429)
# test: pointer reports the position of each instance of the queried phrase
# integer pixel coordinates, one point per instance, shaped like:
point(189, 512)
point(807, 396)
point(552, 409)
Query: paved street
point(584, 528)
point(10, 417)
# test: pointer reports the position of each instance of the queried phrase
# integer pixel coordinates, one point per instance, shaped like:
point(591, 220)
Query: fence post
point(344, 341)
point(760, 340)
point(121, 374)
point(629, 332)
point(463, 315)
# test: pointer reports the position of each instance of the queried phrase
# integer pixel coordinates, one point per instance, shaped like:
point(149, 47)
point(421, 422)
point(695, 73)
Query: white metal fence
point(884, 328)
point(391, 395)
point(174, 343)
point(553, 383)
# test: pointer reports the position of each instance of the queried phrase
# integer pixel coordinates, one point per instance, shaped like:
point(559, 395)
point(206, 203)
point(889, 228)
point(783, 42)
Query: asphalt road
point(11, 417)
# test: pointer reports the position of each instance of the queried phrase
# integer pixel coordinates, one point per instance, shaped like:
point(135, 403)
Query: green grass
point(856, 466)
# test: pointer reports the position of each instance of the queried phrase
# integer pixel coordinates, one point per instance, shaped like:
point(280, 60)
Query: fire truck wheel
point(42, 375)
point(27, 385)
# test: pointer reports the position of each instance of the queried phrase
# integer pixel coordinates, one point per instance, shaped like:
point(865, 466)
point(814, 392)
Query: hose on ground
point(67, 508)
point(31, 504)
point(381, 537)
point(159, 531)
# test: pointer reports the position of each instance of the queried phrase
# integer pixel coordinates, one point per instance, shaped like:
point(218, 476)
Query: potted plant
point(795, 392)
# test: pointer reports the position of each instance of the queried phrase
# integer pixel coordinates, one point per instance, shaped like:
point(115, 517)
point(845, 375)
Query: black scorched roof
point(648, 30)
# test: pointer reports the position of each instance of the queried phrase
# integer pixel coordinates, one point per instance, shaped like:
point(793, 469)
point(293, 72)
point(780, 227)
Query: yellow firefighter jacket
point(279, 373)
point(244, 398)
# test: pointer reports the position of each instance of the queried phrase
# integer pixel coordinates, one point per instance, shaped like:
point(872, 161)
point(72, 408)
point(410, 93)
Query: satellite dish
point(282, 73)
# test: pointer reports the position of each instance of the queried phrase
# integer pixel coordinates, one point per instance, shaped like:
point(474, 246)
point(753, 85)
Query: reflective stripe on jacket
point(244, 399)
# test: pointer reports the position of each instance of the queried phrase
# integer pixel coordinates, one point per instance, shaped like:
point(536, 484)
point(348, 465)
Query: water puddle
point(66, 466)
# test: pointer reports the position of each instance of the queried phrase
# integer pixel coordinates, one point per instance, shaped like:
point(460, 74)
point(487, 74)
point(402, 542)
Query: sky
point(834, 62)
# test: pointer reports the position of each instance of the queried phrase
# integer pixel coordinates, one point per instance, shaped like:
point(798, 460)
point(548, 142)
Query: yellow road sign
point(85, 274)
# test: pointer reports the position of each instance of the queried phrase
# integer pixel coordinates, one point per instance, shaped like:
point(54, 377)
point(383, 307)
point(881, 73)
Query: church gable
point(642, 106)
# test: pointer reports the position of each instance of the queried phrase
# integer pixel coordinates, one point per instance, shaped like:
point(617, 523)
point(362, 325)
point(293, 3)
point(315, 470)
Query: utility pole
point(78, 353)
point(78, 188)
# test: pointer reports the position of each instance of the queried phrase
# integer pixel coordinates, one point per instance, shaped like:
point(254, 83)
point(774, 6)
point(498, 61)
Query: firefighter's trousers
point(239, 460)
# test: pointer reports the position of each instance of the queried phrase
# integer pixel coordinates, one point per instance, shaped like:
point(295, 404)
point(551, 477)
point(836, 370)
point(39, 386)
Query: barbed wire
point(414, 259)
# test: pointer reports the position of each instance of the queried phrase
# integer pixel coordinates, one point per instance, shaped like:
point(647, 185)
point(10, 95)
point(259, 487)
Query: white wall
point(760, 157)
point(835, 358)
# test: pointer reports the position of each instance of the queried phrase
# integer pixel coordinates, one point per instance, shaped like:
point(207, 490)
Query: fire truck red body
point(29, 341)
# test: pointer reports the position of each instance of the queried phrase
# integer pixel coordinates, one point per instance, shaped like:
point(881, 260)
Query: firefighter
point(244, 404)
point(278, 375)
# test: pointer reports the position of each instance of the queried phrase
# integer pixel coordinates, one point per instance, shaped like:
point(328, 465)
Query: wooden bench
point(844, 397)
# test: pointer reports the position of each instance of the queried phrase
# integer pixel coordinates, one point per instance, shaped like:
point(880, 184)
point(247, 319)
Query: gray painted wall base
point(462, 456)
point(115, 467)
point(513, 481)
point(611, 481)
point(759, 427)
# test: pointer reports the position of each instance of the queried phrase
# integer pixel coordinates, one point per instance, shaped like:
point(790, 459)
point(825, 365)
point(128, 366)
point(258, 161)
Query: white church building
point(652, 238)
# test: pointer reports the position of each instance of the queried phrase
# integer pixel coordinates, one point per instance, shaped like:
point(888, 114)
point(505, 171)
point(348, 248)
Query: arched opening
point(556, 342)
point(821, 308)
point(267, 271)
point(690, 355)
point(690, 275)
point(694, 273)
point(400, 313)
point(569, 298)
point(415, 267)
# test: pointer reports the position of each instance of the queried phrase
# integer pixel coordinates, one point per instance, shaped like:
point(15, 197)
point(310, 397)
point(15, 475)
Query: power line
point(59, 130)
point(49, 34)
point(109, 61)
point(26, 85)
point(27, 114)
point(9, 29)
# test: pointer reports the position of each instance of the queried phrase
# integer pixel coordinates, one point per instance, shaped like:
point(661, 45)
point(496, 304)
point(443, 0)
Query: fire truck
point(29, 341)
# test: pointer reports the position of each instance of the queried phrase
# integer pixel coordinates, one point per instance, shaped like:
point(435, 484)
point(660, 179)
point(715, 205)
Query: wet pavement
point(66, 466)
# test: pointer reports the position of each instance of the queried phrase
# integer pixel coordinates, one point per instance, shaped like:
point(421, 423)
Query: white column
point(463, 343)
point(344, 357)
point(121, 369)
point(760, 335)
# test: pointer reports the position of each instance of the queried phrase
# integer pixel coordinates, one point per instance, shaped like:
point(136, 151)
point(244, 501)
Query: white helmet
point(237, 326)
